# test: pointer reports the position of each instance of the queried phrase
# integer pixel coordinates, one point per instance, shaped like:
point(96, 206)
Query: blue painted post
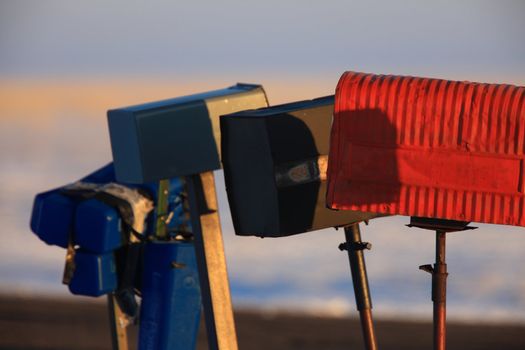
point(171, 299)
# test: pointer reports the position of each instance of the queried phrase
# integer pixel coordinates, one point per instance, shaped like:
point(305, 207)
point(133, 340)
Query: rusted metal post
point(363, 300)
point(439, 292)
point(439, 271)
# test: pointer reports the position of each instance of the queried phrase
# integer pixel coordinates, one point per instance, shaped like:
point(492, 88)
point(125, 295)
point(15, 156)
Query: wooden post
point(211, 261)
point(117, 323)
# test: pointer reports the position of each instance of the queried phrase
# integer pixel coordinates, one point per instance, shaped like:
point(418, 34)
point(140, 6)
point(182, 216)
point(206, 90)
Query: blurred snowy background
point(64, 63)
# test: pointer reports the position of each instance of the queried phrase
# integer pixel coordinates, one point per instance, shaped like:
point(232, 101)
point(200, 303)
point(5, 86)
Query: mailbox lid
point(275, 165)
point(175, 137)
point(428, 147)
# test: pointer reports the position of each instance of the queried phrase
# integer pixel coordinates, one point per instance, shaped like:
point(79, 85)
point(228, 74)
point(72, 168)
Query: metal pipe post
point(439, 271)
point(439, 292)
point(355, 247)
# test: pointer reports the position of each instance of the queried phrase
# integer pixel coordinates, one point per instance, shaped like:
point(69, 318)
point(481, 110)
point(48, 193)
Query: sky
point(64, 63)
point(208, 38)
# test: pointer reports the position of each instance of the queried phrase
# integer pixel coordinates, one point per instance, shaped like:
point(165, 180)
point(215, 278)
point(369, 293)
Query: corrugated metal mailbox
point(176, 137)
point(429, 148)
point(275, 169)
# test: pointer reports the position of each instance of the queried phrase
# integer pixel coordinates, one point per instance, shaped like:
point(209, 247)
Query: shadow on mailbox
point(299, 180)
point(368, 169)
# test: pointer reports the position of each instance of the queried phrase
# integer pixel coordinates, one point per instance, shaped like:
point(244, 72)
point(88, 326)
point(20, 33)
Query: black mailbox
point(275, 163)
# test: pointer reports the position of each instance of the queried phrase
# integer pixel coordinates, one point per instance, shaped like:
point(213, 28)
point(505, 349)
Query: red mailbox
point(429, 148)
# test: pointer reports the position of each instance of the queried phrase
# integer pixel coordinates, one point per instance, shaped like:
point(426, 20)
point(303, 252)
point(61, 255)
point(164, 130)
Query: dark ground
point(52, 324)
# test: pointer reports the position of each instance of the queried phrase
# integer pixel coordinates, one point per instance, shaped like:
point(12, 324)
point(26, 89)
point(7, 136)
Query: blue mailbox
point(98, 227)
point(52, 218)
point(95, 274)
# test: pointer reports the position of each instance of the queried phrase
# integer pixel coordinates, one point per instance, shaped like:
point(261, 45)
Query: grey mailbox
point(175, 137)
